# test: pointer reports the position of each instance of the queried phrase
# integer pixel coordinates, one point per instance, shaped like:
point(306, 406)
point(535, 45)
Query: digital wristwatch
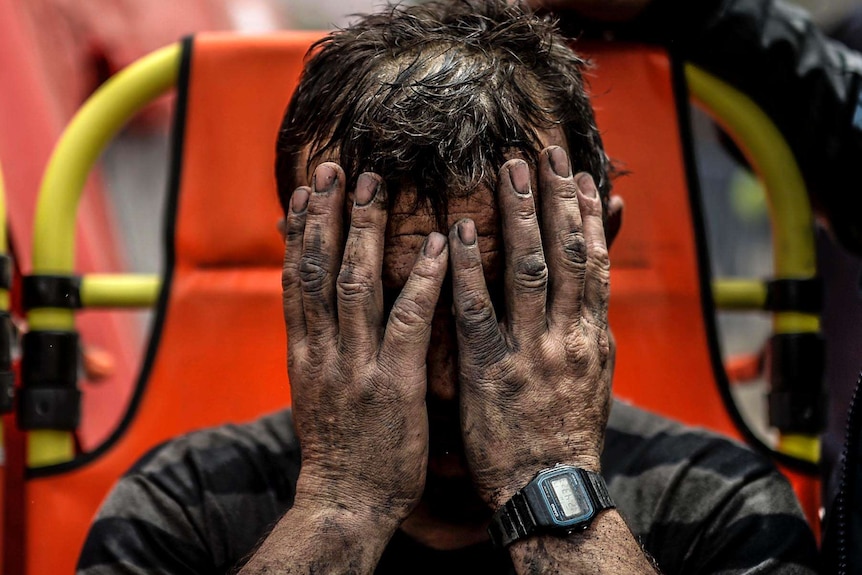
point(559, 501)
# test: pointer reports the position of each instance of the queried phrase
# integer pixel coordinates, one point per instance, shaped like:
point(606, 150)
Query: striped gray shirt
point(698, 503)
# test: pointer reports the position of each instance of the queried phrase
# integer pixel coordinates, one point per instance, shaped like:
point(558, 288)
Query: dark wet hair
point(435, 96)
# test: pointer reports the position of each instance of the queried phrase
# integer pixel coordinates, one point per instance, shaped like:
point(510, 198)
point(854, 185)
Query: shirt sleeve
point(144, 526)
point(197, 504)
point(702, 504)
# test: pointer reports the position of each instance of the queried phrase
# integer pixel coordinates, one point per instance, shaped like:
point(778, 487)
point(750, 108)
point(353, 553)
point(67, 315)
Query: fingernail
point(519, 175)
point(587, 186)
point(324, 179)
point(299, 201)
point(467, 232)
point(559, 162)
point(366, 189)
point(434, 244)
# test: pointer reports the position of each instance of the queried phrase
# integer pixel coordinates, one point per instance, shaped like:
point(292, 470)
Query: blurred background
point(71, 47)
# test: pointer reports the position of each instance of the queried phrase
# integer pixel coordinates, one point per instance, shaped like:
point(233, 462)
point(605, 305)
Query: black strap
point(8, 341)
point(600, 496)
point(514, 520)
point(801, 294)
point(5, 271)
point(49, 397)
point(57, 291)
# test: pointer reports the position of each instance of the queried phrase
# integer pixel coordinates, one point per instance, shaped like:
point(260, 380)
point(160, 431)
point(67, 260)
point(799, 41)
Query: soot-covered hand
point(535, 387)
point(358, 379)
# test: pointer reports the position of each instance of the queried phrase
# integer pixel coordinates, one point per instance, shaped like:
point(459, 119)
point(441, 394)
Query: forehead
point(409, 222)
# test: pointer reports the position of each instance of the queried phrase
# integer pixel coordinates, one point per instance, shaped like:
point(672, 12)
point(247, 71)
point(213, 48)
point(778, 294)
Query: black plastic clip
point(8, 341)
point(797, 398)
point(51, 291)
point(802, 295)
point(5, 271)
point(49, 396)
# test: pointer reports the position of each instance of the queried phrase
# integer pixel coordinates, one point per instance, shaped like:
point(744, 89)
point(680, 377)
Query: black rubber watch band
point(600, 490)
point(515, 520)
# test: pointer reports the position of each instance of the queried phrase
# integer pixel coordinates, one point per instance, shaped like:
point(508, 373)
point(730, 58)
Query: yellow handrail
point(790, 210)
point(80, 146)
point(108, 290)
point(739, 294)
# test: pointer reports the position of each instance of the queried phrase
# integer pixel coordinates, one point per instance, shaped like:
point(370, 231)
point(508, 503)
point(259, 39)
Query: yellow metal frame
point(132, 291)
point(790, 210)
point(80, 146)
point(739, 294)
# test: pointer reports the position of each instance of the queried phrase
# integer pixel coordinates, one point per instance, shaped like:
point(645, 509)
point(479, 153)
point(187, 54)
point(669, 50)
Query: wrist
point(342, 500)
point(319, 539)
point(520, 477)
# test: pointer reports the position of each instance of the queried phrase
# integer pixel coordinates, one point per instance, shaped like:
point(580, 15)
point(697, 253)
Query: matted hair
point(435, 96)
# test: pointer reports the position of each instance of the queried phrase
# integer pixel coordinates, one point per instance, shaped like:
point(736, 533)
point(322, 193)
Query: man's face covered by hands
point(470, 348)
point(509, 248)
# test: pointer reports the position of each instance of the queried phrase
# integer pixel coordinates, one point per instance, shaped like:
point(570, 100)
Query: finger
point(564, 238)
point(408, 330)
point(359, 287)
point(293, 229)
point(480, 341)
point(526, 273)
point(598, 271)
point(321, 250)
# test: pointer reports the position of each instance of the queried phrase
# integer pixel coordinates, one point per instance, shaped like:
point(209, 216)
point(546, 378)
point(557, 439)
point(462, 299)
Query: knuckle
point(599, 266)
point(467, 265)
point(576, 347)
point(407, 314)
point(600, 260)
point(313, 273)
point(320, 206)
point(603, 346)
point(574, 248)
point(361, 220)
point(475, 309)
point(352, 286)
point(295, 229)
point(566, 189)
point(531, 272)
point(525, 213)
point(425, 272)
point(289, 278)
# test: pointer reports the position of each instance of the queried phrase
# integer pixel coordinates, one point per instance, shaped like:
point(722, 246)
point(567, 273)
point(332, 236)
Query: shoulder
point(212, 451)
point(639, 443)
point(696, 499)
point(203, 499)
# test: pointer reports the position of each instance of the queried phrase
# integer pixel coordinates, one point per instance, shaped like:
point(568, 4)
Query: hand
point(357, 385)
point(535, 388)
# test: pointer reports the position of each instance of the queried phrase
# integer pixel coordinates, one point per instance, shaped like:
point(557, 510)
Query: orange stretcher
point(217, 348)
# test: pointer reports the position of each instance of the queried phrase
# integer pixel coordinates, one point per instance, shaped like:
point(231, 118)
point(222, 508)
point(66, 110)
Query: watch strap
point(602, 499)
point(512, 521)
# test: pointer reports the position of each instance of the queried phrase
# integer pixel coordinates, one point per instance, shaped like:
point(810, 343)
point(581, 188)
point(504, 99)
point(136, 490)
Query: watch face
point(566, 498)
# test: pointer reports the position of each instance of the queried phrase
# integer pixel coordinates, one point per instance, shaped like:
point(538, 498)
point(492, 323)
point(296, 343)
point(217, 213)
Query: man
point(448, 345)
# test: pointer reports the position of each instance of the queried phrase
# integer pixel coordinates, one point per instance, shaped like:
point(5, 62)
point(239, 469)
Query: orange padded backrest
point(663, 361)
point(218, 352)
